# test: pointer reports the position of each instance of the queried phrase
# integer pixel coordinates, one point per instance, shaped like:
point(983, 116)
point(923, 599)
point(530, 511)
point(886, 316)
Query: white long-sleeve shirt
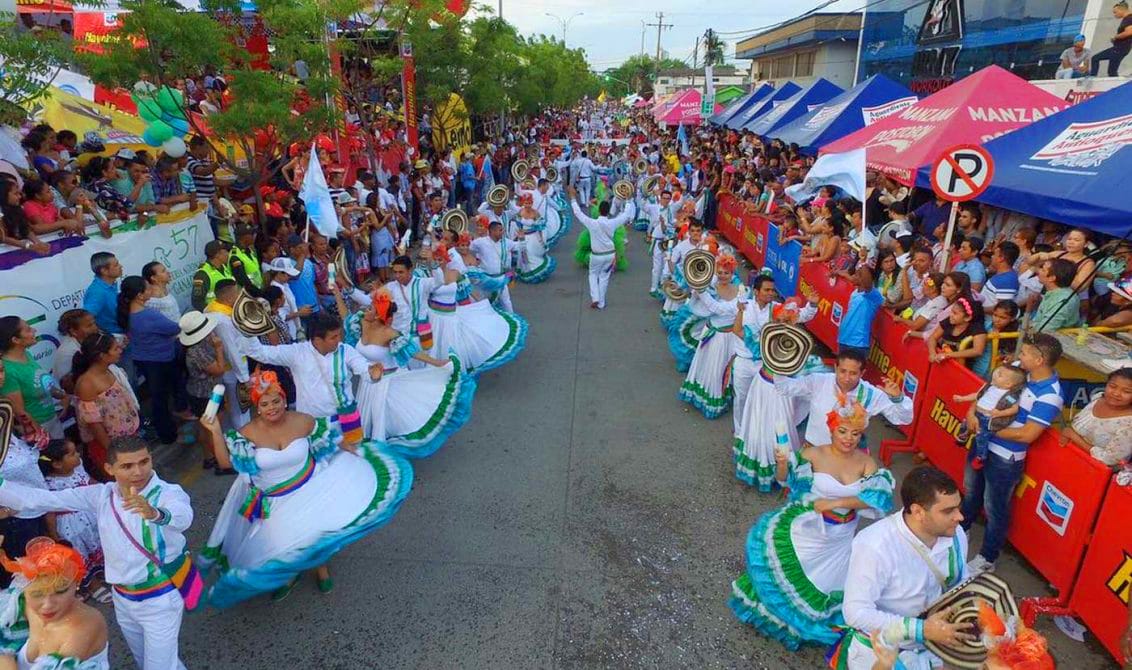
point(583, 167)
point(602, 228)
point(510, 212)
point(411, 298)
point(317, 383)
point(236, 346)
point(495, 257)
point(889, 580)
point(125, 565)
point(821, 391)
point(755, 317)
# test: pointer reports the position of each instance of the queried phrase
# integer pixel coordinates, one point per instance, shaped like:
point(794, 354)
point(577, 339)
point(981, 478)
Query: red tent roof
point(684, 108)
point(973, 110)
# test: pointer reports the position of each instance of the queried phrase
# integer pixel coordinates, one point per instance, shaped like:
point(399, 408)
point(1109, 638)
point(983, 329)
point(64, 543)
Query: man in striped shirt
point(992, 486)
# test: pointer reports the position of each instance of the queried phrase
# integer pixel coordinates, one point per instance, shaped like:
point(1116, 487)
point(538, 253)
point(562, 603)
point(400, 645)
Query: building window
point(782, 67)
point(663, 80)
point(805, 64)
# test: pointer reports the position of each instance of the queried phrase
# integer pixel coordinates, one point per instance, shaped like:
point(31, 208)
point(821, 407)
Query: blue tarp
point(754, 111)
point(1068, 167)
point(742, 104)
point(845, 113)
point(796, 105)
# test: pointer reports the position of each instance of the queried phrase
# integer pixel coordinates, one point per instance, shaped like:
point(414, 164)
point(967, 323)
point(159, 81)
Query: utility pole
point(643, 27)
point(500, 10)
point(660, 25)
point(696, 53)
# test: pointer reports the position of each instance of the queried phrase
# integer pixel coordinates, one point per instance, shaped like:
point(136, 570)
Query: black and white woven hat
point(965, 598)
point(250, 317)
point(785, 348)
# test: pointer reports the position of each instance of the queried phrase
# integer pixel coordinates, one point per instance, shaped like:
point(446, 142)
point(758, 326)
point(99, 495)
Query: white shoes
point(978, 565)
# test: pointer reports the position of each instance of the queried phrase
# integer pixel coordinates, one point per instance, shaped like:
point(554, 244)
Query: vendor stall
point(793, 107)
point(768, 103)
point(864, 104)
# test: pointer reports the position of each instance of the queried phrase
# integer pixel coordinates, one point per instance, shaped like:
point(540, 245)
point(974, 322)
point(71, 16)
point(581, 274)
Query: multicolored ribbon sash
point(256, 505)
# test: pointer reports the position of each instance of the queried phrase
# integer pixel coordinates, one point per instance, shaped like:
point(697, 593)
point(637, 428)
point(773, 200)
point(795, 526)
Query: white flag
point(845, 171)
point(315, 195)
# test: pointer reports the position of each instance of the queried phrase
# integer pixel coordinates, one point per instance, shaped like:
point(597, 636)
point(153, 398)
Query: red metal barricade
point(892, 356)
point(744, 227)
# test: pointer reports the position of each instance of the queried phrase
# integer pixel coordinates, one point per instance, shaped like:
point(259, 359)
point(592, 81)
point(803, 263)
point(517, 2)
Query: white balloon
point(174, 147)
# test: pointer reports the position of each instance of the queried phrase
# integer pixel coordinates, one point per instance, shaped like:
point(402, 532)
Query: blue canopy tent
point(742, 104)
point(768, 103)
point(846, 113)
point(1067, 167)
point(796, 105)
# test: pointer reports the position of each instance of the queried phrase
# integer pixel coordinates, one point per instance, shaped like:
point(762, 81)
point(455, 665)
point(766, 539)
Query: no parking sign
point(962, 172)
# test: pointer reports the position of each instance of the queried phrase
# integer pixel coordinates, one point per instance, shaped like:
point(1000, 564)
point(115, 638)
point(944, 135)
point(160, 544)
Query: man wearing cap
point(243, 261)
point(281, 270)
point(212, 270)
point(1076, 61)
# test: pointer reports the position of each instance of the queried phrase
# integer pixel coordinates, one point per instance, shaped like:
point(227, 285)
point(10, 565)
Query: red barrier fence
point(744, 227)
point(1100, 597)
point(814, 279)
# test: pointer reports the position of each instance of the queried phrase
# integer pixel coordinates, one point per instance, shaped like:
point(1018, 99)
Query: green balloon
point(159, 131)
point(147, 108)
point(171, 101)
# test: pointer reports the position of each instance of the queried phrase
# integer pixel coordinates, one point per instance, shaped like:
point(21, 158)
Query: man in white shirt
point(135, 512)
point(662, 229)
point(236, 347)
point(602, 250)
point(582, 169)
point(822, 388)
point(281, 270)
point(411, 294)
point(749, 323)
point(496, 254)
point(323, 367)
point(899, 566)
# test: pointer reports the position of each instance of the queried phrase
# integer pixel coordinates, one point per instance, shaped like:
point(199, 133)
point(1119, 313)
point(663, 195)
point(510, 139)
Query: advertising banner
point(409, 91)
point(1055, 507)
point(783, 261)
point(834, 300)
point(742, 225)
point(1100, 597)
point(452, 126)
point(40, 290)
point(892, 356)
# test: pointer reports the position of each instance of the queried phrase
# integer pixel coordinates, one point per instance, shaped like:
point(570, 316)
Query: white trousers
point(658, 265)
point(503, 300)
point(601, 267)
point(151, 628)
point(742, 376)
point(585, 190)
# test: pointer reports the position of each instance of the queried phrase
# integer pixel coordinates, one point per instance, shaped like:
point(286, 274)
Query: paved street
point(583, 519)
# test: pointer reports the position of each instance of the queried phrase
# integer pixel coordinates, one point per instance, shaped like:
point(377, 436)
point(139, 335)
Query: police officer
point(212, 270)
point(243, 261)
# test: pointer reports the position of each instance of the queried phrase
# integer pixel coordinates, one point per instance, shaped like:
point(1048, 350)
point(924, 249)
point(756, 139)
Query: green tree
point(714, 48)
point(637, 74)
point(28, 64)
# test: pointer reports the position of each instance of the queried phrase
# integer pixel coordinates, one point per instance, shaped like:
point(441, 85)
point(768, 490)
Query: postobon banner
point(41, 290)
point(451, 126)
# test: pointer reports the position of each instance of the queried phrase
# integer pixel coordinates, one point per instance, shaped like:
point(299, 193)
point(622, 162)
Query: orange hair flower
point(47, 559)
point(526, 198)
point(464, 240)
point(383, 305)
point(846, 412)
point(262, 383)
point(726, 262)
point(440, 253)
point(1019, 648)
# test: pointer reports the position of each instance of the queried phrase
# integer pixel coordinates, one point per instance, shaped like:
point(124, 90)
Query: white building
point(678, 79)
point(804, 50)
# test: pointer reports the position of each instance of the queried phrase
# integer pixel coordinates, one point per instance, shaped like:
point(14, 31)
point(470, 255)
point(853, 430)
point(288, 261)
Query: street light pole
point(565, 22)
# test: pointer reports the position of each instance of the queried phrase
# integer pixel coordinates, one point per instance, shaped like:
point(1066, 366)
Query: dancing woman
point(798, 554)
point(535, 265)
point(412, 411)
point(301, 497)
point(706, 386)
point(44, 625)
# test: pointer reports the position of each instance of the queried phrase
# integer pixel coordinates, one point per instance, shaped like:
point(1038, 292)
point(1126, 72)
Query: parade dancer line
point(601, 244)
point(137, 509)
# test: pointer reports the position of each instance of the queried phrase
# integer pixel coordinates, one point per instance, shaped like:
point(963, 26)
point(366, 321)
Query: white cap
point(284, 265)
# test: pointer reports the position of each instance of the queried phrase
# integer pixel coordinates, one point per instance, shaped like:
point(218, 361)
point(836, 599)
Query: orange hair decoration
point(263, 382)
point(440, 253)
point(846, 412)
point(1016, 647)
point(726, 262)
point(383, 305)
point(464, 240)
point(526, 199)
point(47, 559)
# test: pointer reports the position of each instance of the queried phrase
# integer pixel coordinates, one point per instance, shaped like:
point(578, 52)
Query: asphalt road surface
point(584, 518)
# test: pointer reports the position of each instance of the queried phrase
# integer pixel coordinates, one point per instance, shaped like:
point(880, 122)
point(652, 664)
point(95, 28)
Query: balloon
point(147, 108)
point(171, 101)
point(179, 126)
point(157, 133)
point(174, 147)
point(150, 138)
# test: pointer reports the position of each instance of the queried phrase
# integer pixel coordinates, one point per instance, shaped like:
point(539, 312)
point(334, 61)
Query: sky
point(610, 31)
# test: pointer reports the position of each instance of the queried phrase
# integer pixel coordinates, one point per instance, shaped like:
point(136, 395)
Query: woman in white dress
point(558, 216)
point(535, 265)
point(706, 386)
point(301, 496)
point(44, 625)
point(767, 415)
point(495, 335)
point(798, 554)
point(413, 412)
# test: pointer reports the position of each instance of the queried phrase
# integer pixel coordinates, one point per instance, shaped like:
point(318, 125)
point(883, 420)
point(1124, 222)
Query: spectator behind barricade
point(166, 183)
point(74, 202)
point(1076, 60)
point(825, 234)
point(1104, 426)
point(1114, 309)
point(30, 389)
point(107, 407)
point(914, 275)
point(952, 286)
point(1075, 250)
point(917, 319)
point(929, 216)
point(859, 235)
point(101, 296)
point(992, 487)
point(154, 346)
point(892, 192)
point(1111, 269)
point(888, 277)
point(1003, 319)
point(17, 229)
point(1003, 284)
point(99, 175)
point(41, 154)
point(897, 225)
point(136, 188)
point(43, 215)
point(75, 325)
point(856, 325)
point(203, 170)
point(952, 251)
point(902, 253)
point(970, 264)
point(965, 320)
point(205, 364)
point(993, 408)
point(303, 284)
point(1121, 43)
point(1059, 306)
